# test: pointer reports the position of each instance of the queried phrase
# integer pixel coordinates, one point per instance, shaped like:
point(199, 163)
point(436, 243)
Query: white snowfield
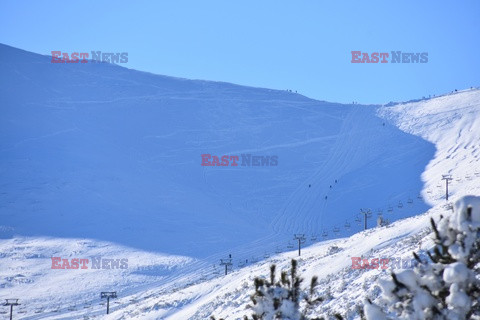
point(449, 122)
point(101, 161)
point(452, 123)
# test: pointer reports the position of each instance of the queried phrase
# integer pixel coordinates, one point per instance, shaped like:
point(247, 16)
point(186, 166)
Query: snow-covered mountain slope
point(452, 123)
point(98, 160)
point(445, 121)
point(102, 152)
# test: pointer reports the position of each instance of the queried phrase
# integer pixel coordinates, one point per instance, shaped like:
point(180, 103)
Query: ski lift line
point(369, 213)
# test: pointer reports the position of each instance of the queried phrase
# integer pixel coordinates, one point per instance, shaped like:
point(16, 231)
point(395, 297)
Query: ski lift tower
point(366, 214)
point(11, 303)
point(301, 239)
point(108, 295)
point(227, 263)
point(446, 177)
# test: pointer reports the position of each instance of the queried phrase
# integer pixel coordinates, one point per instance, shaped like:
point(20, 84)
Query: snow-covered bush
point(445, 286)
point(273, 300)
point(281, 299)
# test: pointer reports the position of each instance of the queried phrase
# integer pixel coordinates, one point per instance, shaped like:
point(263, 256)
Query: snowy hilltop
point(118, 167)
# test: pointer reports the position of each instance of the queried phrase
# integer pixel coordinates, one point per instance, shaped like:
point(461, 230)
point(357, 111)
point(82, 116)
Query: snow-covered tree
point(445, 286)
point(282, 299)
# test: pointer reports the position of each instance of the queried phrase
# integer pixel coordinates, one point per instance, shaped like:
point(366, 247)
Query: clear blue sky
point(298, 45)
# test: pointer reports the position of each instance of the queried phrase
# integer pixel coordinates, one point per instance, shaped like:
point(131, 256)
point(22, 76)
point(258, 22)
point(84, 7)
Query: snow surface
point(99, 160)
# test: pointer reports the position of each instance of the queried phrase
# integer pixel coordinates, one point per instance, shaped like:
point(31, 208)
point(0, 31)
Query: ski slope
point(452, 123)
point(436, 120)
point(449, 122)
point(99, 160)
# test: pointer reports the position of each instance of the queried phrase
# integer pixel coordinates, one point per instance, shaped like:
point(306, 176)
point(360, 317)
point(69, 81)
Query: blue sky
point(299, 45)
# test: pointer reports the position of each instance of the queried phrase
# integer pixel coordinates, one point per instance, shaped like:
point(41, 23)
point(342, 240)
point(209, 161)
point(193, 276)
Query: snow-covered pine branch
point(447, 286)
